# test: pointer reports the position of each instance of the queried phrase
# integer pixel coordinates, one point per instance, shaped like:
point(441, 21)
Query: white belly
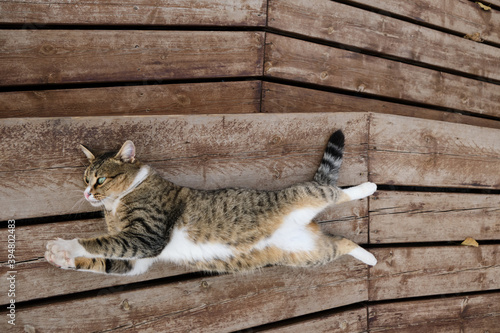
point(181, 249)
point(293, 234)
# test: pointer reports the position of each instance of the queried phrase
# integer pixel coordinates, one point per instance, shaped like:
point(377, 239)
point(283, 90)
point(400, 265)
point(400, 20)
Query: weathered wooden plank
point(31, 239)
point(197, 98)
point(409, 151)
point(464, 17)
point(37, 279)
point(352, 321)
point(290, 99)
point(474, 313)
point(347, 25)
point(216, 304)
point(42, 164)
point(38, 13)
point(423, 271)
point(401, 217)
point(303, 61)
point(70, 56)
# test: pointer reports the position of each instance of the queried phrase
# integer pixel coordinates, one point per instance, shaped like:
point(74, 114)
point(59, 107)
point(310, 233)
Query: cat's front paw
point(62, 253)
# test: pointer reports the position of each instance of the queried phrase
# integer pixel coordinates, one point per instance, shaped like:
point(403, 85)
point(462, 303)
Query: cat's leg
point(127, 244)
point(357, 192)
point(113, 266)
point(100, 265)
point(329, 248)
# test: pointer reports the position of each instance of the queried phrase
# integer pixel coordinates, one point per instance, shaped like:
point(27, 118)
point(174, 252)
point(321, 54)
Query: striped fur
point(328, 171)
point(150, 219)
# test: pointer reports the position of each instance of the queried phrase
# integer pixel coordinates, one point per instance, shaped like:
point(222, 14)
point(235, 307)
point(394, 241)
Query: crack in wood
point(432, 211)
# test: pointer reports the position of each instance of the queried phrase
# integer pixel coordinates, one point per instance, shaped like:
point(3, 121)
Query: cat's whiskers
point(78, 203)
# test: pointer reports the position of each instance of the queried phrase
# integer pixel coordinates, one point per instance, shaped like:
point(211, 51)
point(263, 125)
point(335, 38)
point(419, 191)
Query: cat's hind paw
point(364, 256)
point(361, 191)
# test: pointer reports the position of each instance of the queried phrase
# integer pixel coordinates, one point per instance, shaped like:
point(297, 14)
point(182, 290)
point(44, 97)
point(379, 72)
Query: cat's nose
point(86, 194)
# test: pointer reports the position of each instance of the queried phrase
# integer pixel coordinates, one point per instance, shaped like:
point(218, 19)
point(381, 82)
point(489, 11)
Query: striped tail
point(328, 171)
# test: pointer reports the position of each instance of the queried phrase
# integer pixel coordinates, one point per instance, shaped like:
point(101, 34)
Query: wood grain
point(281, 98)
point(433, 270)
point(303, 61)
point(464, 17)
point(38, 13)
point(402, 217)
point(142, 100)
point(37, 279)
point(214, 303)
point(75, 56)
point(42, 164)
point(419, 152)
point(347, 25)
point(352, 321)
point(473, 313)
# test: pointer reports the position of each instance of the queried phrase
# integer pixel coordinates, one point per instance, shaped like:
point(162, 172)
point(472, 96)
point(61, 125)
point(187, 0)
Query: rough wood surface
point(402, 217)
point(346, 321)
point(42, 164)
point(347, 25)
point(303, 61)
point(433, 270)
point(465, 17)
point(474, 313)
point(419, 152)
point(142, 100)
point(38, 13)
point(283, 98)
point(215, 303)
point(73, 56)
point(37, 279)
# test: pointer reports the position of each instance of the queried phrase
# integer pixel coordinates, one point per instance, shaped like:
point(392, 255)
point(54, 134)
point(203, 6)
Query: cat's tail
point(328, 171)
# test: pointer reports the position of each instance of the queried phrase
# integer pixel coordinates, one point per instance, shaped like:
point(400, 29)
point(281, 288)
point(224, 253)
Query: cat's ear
point(87, 153)
point(127, 152)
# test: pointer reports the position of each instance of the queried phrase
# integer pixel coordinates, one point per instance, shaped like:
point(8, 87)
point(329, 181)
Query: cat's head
point(109, 174)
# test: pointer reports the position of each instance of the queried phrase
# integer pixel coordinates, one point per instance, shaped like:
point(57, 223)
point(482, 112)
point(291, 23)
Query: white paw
point(62, 253)
point(363, 255)
point(361, 191)
point(368, 188)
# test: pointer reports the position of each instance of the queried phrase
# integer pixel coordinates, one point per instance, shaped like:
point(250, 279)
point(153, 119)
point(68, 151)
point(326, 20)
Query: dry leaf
point(469, 241)
point(483, 7)
point(475, 37)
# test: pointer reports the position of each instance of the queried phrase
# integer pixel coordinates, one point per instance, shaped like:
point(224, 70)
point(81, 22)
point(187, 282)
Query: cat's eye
point(101, 180)
point(86, 180)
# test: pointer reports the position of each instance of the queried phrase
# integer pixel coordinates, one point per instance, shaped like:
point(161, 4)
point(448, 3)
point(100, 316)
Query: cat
point(226, 230)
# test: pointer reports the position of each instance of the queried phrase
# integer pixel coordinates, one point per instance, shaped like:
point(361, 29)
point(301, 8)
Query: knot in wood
point(125, 305)
point(48, 49)
point(276, 140)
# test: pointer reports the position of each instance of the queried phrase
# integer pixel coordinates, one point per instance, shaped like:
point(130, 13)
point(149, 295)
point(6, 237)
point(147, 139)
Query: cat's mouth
point(92, 200)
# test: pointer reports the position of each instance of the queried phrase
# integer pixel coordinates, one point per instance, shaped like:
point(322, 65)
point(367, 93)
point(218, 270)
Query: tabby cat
point(226, 230)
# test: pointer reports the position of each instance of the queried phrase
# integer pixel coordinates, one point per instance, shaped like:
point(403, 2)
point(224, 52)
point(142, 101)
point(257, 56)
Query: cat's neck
point(141, 176)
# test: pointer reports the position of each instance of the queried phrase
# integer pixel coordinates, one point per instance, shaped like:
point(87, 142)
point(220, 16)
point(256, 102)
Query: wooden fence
point(245, 93)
